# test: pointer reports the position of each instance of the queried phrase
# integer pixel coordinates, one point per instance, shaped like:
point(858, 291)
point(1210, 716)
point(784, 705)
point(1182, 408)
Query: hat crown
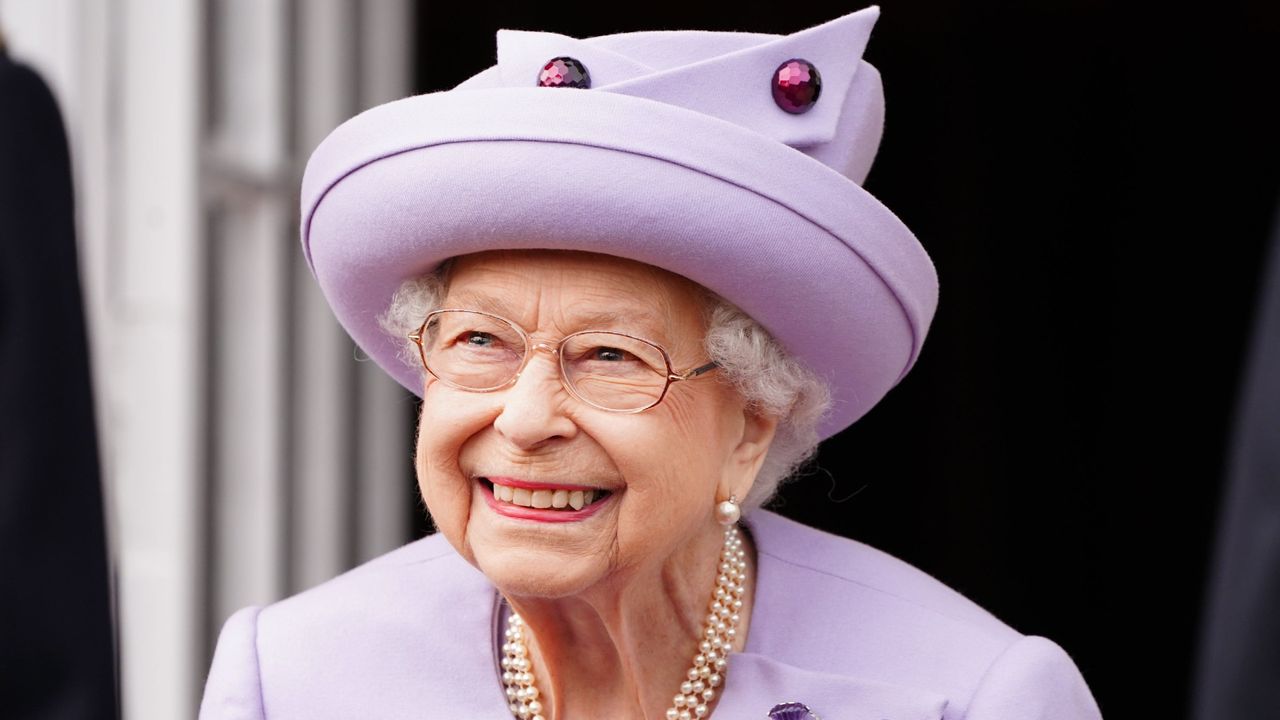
point(727, 75)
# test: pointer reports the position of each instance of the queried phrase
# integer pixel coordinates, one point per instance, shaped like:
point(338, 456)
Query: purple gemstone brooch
point(792, 711)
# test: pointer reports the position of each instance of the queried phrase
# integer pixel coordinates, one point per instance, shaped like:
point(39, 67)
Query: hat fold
point(733, 86)
point(738, 86)
point(522, 55)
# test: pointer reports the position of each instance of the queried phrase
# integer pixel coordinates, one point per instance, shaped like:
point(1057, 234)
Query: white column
point(249, 206)
point(154, 352)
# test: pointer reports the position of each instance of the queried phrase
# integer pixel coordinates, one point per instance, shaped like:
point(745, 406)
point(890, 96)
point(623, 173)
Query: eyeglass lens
point(481, 352)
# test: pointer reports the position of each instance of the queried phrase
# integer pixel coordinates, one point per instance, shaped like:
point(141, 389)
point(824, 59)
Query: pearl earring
point(728, 512)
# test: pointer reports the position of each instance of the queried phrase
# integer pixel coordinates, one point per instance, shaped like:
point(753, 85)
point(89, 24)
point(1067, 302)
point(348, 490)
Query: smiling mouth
point(567, 499)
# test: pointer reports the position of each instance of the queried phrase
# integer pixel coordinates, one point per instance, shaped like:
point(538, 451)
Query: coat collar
point(754, 683)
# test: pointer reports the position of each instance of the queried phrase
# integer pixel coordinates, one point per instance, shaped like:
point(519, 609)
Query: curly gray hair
point(768, 379)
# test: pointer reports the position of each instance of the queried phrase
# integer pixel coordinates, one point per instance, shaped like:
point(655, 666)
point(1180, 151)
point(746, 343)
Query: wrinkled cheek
point(659, 512)
point(445, 492)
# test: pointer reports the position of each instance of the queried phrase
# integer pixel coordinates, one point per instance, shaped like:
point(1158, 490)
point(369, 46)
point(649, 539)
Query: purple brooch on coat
point(791, 711)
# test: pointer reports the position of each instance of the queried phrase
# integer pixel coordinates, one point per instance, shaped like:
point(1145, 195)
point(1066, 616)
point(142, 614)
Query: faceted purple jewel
point(796, 85)
point(564, 72)
point(791, 711)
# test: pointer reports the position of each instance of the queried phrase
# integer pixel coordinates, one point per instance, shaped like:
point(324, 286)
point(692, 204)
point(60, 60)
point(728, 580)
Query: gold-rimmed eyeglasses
point(481, 352)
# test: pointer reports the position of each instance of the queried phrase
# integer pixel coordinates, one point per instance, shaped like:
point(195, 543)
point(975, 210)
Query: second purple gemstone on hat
point(564, 72)
point(796, 85)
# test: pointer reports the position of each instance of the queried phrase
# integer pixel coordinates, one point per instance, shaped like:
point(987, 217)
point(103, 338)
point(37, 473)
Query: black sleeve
point(1239, 663)
point(56, 648)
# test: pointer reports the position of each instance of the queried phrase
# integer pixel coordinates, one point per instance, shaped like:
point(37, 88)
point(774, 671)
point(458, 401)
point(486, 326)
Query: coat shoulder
point(425, 578)
point(831, 604)
point(378, 584)
point(832, 560)
point(393, 622)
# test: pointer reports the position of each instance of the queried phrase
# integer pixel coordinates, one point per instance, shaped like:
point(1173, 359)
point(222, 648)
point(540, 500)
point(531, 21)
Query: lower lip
point(521, 512)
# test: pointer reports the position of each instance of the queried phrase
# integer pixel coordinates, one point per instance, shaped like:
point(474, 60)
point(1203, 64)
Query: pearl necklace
point(704, 677)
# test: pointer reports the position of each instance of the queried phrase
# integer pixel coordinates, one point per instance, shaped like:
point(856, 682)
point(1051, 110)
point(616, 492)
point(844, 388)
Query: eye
point(610, 354)
point(480, 344)
point(604, 361)
point(606, 354)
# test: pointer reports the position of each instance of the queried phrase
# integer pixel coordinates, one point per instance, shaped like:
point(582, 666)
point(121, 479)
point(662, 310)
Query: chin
point(536, 559)
point(538, 573)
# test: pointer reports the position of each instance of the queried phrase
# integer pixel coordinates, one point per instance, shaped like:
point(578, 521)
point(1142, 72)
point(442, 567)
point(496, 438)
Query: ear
point(743, 463)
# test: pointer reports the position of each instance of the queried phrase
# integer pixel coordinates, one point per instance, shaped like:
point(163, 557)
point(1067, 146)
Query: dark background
point(1096, 182)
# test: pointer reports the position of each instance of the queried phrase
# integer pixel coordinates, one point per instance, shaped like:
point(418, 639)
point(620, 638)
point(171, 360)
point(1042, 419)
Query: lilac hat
point(704, 153)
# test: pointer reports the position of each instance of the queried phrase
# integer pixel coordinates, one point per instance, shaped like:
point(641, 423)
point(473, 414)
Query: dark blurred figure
point(56, 656)
point(1240, 649)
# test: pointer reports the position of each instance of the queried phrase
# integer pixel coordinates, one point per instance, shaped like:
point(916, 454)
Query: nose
point(533, 407)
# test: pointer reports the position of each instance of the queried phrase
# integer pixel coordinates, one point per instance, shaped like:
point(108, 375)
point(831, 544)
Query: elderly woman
point(635, 280)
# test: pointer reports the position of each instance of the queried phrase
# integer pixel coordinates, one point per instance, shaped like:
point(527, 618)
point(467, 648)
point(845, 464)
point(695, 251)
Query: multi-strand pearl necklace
point(704, 677)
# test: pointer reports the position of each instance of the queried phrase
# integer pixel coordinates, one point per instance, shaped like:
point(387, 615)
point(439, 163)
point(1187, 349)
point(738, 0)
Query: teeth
point(546, 498)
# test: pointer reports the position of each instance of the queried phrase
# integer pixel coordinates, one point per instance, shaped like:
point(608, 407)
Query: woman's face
point(656, 474)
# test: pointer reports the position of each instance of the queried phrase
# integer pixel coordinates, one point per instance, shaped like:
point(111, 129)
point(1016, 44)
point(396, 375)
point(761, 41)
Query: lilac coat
point(846, 629)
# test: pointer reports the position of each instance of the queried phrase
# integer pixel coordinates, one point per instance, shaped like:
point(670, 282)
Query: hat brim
point(819, 262)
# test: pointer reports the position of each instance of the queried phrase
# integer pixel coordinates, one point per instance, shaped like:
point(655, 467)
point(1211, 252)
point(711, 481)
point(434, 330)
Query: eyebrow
point(471, 301)
point(637, 320)
point(632, 318)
